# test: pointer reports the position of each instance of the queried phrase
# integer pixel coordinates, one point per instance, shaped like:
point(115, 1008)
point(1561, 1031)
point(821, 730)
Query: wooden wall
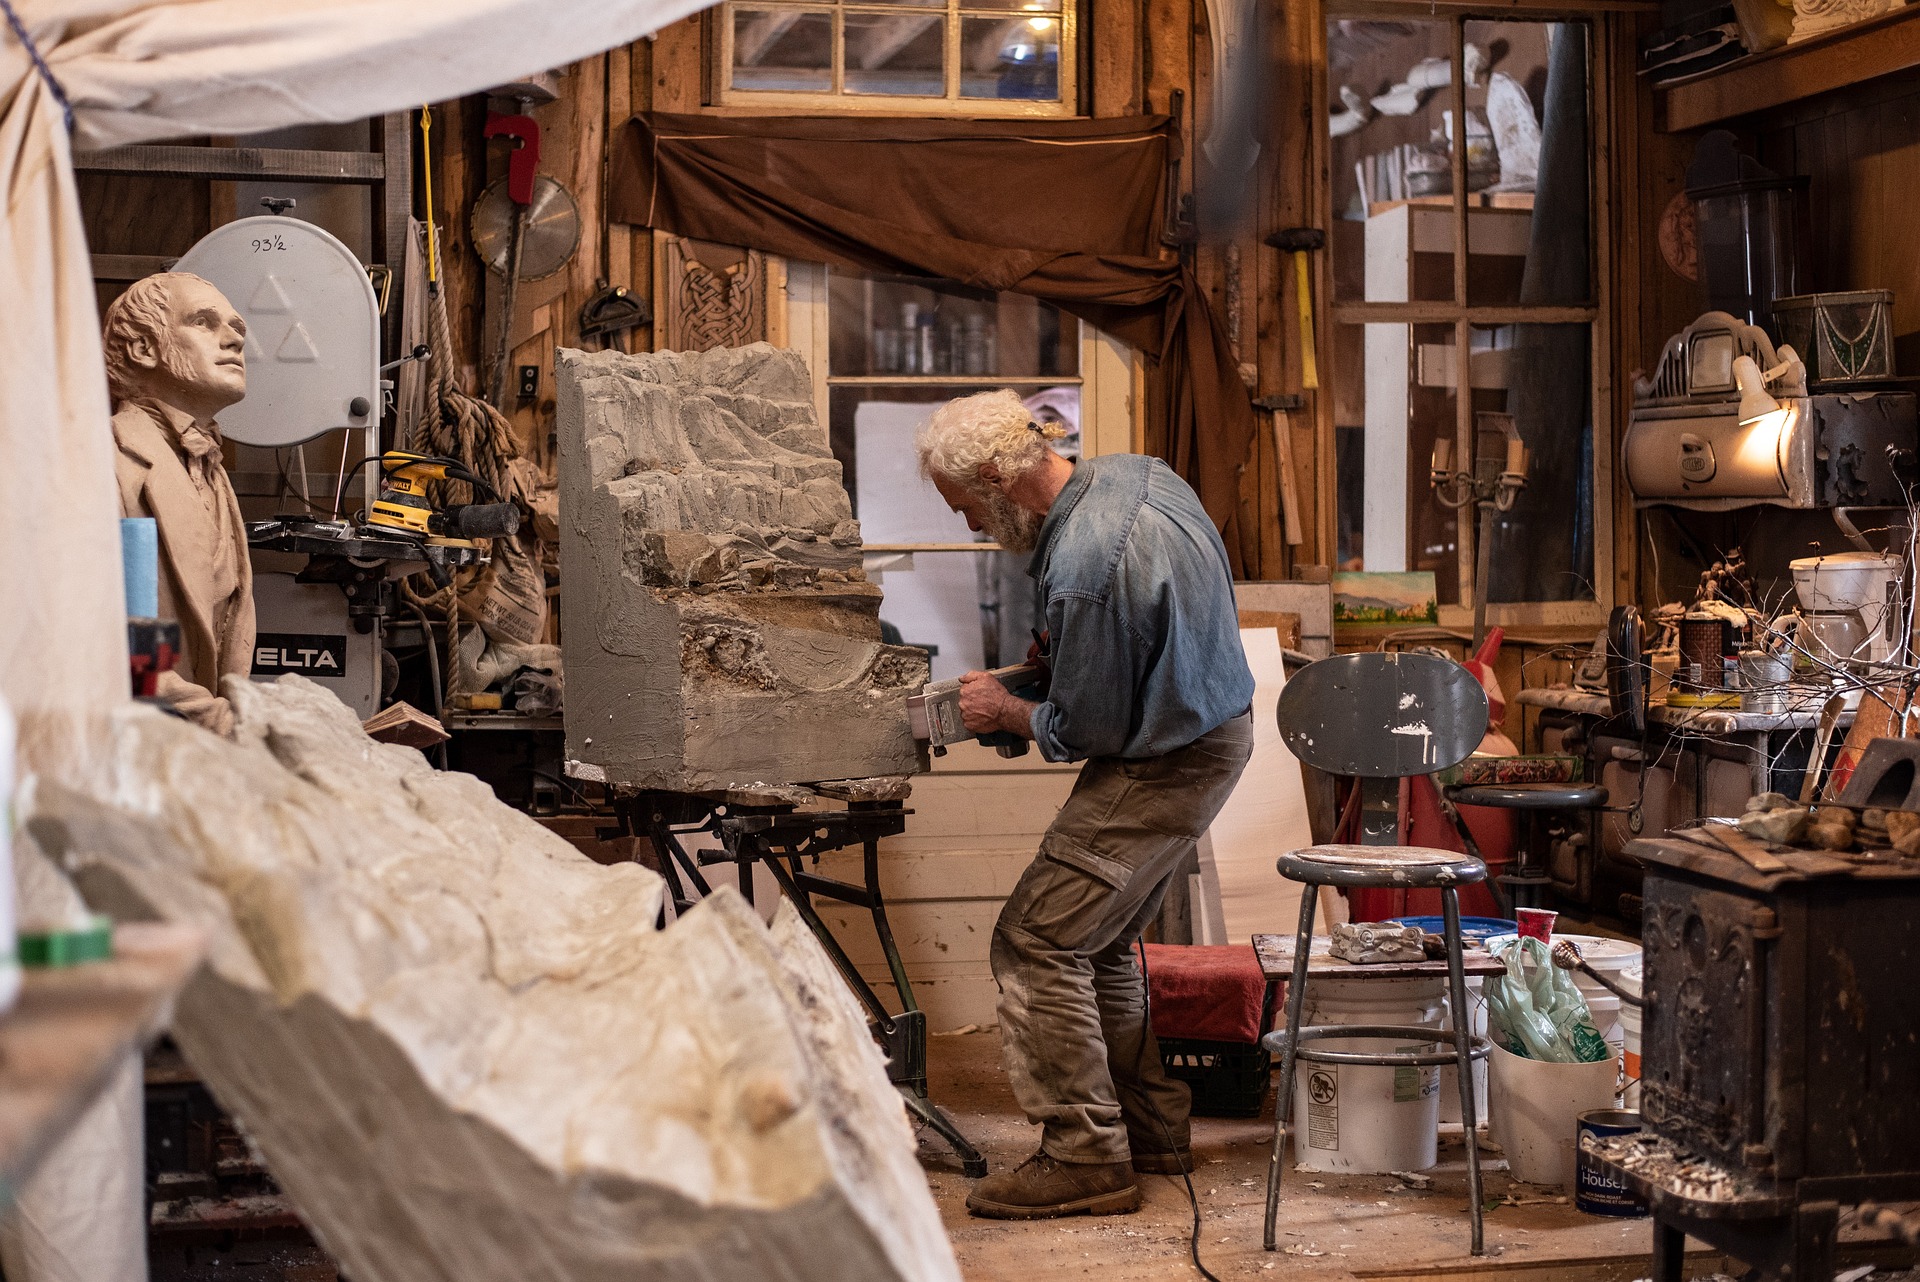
point(1862, 151)
point(595, 95)
point(1138, 54)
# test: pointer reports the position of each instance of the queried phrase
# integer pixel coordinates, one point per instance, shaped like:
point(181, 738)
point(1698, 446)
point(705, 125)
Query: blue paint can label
point(1595, 1191)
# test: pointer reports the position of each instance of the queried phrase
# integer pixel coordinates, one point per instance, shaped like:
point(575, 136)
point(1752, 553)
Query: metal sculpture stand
point(780, 836)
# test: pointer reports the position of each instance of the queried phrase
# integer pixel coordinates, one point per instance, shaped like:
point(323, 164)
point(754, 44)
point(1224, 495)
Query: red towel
point(1209, 992)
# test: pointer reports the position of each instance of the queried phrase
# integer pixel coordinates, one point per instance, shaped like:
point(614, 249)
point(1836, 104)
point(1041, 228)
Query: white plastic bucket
point(1449, 1075)
point(1631, 979)
point(1612, 957)
point(1366, 1120)
point(1536, 1108)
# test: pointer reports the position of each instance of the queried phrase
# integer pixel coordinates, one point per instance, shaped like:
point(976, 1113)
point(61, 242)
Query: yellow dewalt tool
point(404, 507)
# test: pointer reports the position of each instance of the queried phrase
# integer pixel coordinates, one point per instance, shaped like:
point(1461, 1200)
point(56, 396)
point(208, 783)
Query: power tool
point(402, 533)
point(934, 713)
point(404, 508)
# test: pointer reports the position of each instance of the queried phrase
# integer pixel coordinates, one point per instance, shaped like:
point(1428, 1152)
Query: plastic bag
point(1535, 1010)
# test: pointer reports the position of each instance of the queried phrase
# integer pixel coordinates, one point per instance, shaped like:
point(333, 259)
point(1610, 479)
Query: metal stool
point(1408, 867)
point(1380, 717)
point(1526, 885)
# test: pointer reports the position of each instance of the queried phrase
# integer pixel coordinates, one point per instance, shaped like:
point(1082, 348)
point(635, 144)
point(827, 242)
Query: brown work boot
point(1041, 1188)
point(1178, 1162)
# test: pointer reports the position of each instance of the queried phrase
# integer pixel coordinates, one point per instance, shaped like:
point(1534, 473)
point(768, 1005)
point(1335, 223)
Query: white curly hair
point(994, 427)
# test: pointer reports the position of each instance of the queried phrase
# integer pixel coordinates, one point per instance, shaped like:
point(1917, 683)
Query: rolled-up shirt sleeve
point(1089, 708)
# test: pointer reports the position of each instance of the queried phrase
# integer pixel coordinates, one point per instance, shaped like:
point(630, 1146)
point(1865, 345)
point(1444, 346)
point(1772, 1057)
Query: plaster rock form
point(718, 628)
point(464, 1047)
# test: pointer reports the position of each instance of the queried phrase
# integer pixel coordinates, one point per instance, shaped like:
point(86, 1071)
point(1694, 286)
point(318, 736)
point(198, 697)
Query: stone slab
point(464, 1048)
point(718, 629)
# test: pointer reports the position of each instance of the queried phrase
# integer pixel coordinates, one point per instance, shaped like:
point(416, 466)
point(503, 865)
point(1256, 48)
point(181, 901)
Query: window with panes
point(972, 57)
point(1463, 261)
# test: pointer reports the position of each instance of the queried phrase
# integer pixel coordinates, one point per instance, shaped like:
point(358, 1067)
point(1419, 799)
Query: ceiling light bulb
point(1040, 24)
point(1755, 404)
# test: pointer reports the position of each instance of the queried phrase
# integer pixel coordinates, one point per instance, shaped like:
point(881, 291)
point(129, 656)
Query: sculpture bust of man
point(175, 350)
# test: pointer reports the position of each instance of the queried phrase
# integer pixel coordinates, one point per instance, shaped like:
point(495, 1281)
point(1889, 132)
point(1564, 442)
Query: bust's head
point(176, 339)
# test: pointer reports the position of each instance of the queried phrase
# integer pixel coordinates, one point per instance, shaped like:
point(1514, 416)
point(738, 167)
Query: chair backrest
point(1383, 715)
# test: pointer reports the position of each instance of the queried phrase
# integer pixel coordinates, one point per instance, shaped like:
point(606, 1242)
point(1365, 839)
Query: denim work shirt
point(1137, 594)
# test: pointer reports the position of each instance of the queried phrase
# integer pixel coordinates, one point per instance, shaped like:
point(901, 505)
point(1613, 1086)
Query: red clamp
point(521, 166)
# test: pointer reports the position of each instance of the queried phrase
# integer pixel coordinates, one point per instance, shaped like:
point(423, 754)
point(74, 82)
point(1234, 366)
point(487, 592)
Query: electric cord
point(1166, 1132)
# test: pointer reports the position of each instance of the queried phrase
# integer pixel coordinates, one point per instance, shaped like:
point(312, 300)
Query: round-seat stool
point(1527, 883)
point(1529, 796)
point(1394, 867)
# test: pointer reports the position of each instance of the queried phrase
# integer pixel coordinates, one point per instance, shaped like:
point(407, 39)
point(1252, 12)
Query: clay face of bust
point(198, 364)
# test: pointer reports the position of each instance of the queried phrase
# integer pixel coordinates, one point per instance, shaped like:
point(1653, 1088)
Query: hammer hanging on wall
point(1278, 407)
point(1299, 242)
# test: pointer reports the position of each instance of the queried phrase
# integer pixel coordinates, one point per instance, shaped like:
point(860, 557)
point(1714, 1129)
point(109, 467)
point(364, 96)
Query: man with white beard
point(1150, 688)
point(175, 350)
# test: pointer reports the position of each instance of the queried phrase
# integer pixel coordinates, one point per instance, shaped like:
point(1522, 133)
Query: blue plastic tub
point(1473, 930)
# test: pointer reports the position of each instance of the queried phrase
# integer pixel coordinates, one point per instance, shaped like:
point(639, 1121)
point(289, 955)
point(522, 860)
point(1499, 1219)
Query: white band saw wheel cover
point(313, 328)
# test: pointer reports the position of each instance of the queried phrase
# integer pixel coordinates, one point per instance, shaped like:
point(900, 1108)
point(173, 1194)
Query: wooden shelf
point(72, 1029)
point(1862, 52)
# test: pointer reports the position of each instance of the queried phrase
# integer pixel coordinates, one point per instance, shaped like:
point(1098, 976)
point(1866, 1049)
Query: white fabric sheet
point(1265, 816)
point(137, 72)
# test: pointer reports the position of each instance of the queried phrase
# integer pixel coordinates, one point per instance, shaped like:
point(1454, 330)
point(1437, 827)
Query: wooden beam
point(1416, 313)
point(619, 111)
point(1113, 31)
point(234, 163)
point(1849, 56)
point(677, 76)
point(129, 267)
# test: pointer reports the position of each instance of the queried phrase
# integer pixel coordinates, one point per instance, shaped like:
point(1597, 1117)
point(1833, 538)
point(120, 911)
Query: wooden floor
point(1357, 1227)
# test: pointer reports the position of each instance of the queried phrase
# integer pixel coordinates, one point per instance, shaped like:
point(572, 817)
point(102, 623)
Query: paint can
point(1703, 646)
point(1595, 1191)
point(1763, 682)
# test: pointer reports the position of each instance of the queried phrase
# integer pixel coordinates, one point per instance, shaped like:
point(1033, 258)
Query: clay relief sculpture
point(464, 1047)
point(175, 351)
point(730, 637)
point(1817, 17)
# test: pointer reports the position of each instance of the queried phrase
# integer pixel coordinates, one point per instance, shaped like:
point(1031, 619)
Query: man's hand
point(986, 705)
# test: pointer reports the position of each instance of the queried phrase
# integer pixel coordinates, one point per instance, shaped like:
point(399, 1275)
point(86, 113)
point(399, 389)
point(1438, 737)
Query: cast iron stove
point(1781, 1055)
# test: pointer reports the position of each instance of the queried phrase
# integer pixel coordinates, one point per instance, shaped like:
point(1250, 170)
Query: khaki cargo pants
point(1074, 1037)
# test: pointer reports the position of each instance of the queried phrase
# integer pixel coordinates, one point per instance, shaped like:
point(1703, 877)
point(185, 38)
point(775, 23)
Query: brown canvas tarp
point(1067, 211)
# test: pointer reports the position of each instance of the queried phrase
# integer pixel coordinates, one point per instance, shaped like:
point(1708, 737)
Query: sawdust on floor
point(1353, 1226)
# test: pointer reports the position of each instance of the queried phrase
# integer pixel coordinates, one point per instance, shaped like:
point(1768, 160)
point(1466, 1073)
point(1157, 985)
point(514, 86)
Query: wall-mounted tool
point(525, 227)
point(1177, 228)
point(1281, 407)
point(526, 204)
point(934, 713)
point(611, 312)
point(1299, 242)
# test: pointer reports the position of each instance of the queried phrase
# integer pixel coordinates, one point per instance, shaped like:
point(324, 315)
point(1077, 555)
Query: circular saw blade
point(552, 232)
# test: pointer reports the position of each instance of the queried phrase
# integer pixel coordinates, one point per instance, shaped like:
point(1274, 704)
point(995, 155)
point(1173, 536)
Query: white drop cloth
point(137, 72)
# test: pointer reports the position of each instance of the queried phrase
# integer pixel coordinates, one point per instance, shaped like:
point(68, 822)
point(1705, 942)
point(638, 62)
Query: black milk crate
point(1228, 1079)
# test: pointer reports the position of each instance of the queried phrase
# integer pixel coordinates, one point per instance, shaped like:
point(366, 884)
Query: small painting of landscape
point(1361, 597)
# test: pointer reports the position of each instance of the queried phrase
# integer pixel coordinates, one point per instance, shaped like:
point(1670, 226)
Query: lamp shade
point(1755, 404)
